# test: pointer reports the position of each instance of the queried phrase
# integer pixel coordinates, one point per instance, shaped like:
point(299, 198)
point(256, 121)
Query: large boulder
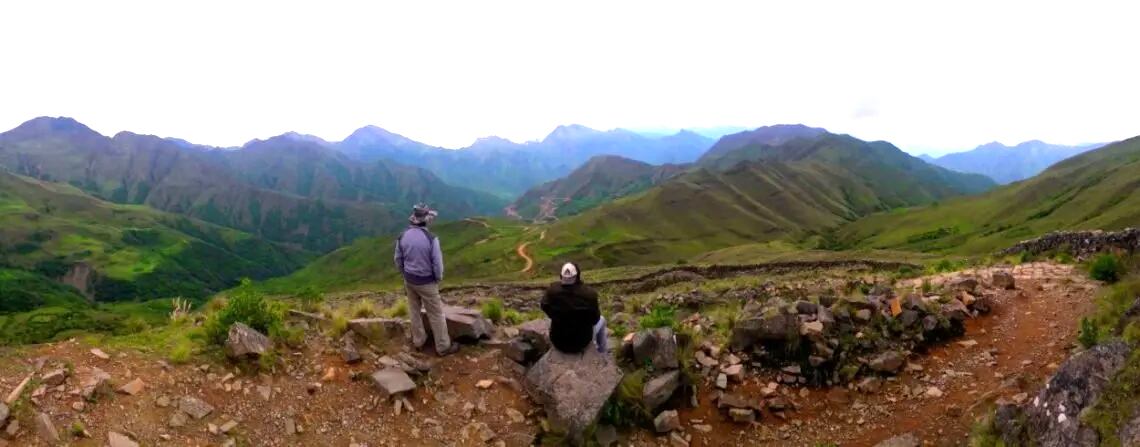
point(771, 325)
point(657, 347)
point(463, 324)
point(573, 388)
point(244, 341)
point(379, 329)
point(1052, 418)
point(659, 389)
point(537, 334)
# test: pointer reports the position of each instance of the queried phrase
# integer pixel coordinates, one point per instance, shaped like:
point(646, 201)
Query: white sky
point(925, 77)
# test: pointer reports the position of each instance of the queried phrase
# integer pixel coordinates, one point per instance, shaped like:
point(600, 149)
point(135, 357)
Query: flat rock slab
point(195, 407)
point(658, 390)
point(393, 380)
point(120, 440)
point(133, 387)
point(46, 429)
point(463, 324)
point(573, 388)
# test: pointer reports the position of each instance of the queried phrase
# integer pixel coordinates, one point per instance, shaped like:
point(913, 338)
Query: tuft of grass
point(311, 299)
point(984, 434)
point(624, 408)
point(399, 309)
point(77, 429)
point(1088, 333)
point(493, 310)
point(181, 351)
point(338, 324)
point(364, 308)
point(660, 316)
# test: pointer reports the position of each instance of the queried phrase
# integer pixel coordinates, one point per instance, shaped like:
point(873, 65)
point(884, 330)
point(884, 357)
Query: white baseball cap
point(569, 273)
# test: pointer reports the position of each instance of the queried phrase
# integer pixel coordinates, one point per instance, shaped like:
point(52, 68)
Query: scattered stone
point(667, 421)
point(120, 440)
point(464, 324)
point(78, 406)
point(393, 381)
point(704, 360)
point(573, 388)
point(228, 426)
point(100, 354)
point(811, 328)
point(4, 412)
point(478, 431)
point(54, 378)
point(133, 387)
point(968, 343)
point(678, 441)
point(721, 381)
point(863, 315)
point(903, 440)
point(742, 415)
point(195, 407)
point(887, 362)
point(484, 384)
point(964, 285)
point(520, 351)
point(348, 350)
point(870, 385)
point(734, 372)
point(243, 341)
point(265, 391)
point(933, 392)
point(606, 435)
point(515, 416)
point(658, 390)
point(46, 429)
point(762, 326)
point(178, 419)
point(162, 401)
point(94, 382)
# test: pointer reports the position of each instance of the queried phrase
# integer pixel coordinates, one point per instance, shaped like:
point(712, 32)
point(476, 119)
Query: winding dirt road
point(521, 251)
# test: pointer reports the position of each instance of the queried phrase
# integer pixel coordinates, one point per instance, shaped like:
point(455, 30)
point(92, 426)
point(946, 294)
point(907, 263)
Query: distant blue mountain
point(1006, 164)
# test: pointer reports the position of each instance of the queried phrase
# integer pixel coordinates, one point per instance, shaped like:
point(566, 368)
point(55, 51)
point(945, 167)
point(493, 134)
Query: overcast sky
point(929, 79)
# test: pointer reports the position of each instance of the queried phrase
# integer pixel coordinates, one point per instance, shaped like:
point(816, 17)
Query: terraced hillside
point(1099, 189)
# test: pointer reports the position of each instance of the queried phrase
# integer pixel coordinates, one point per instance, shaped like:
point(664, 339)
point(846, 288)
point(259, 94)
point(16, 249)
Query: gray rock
point(537, 334)
point(520, 351)
point(243, 341)
point(863, 315)
point(929, 323)
point(742, 415)
point(737, 401)
point(657, 347)
point(379, 329)
point(177, 420)
point(964, 285)
point(955, 311)
point(195, 407)
point(46, 429)
point(393, 381)
point(887, 362)
point(120, 440)
point(667, 421)
point(4, 412)
point(806, 307)
point(908, 318)
point(903, 440)
point(722, 381)
point(765, 326)
point(573, 388)
point(94, 382)
point(1004, 280)
point(464, 324)
point(658, 390)
point(983, 304)
point(54, 378)
point(348, 350)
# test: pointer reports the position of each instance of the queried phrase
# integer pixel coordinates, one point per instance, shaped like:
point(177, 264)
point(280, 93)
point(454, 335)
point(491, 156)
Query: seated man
point(575, 319)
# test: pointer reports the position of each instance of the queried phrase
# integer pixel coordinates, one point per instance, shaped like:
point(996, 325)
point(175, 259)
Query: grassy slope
point(138, 252)
point(602, 179)
point(1096, 190)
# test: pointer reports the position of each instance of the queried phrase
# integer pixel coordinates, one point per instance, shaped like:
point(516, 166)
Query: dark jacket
point(573, 311)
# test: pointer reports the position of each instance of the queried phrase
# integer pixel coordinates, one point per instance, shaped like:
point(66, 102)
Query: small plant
point(926, 287)
point(399, 309)
point(513, 317)
point(624, 408)
point(364, 308)
point(245, 305)
point(338, 324)
point(660, 316)
point(181, 351)
point(181, 309)
point(78, 430)
point(268, 360)
point(293, 337)
point(1063, 257)
point(1088, 333)
point(310, 298)
point(1107, 268)
point(493, 310)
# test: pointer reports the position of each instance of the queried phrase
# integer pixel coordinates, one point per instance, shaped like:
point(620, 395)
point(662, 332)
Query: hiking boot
point(450, 350)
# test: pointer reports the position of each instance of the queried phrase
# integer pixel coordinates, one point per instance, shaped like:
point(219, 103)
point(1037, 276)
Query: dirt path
point(1006, 353)
point(480, 222)
point(521, 251)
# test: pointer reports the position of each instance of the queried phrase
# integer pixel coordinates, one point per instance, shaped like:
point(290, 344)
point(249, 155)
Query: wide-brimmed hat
point(422, 215)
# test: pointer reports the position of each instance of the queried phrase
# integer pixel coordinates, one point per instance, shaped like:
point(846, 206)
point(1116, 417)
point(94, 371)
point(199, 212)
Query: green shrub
point(513, 317)
point(1088, 333)
point(293, 337)
point(181, 352)
point(310, 298)
point(660, 316)
point(1107, 268)
point(624, 408)
point(493, 310)
point(244, 305)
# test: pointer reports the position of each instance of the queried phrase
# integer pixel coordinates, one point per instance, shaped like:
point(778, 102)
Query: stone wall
point(1079, 244)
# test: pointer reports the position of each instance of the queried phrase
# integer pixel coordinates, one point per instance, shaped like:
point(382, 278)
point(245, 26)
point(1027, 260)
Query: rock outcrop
point(573, 388)
point(1052, 418)
point(1079, 244)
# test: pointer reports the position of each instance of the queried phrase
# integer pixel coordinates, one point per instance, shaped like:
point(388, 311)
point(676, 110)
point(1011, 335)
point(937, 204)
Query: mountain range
point(601, 179)
point(1008, 164)
point(508, 169)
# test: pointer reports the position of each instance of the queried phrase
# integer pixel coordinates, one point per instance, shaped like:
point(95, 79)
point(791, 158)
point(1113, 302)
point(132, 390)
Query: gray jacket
point(418, 256)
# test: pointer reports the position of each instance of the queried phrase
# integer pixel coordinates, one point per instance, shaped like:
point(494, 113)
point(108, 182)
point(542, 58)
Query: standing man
point(420, 260)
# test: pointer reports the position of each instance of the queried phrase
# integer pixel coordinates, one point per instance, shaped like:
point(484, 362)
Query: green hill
point(602, 179)
point(1099, 189)
point(114, 252)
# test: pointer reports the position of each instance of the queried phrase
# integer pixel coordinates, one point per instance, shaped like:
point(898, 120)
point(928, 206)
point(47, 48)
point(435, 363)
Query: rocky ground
point(477, 397)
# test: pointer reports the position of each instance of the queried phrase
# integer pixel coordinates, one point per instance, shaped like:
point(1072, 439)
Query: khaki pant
point(426, 298)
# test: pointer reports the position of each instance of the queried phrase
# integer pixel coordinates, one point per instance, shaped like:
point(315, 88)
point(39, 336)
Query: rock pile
point(832, 340)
